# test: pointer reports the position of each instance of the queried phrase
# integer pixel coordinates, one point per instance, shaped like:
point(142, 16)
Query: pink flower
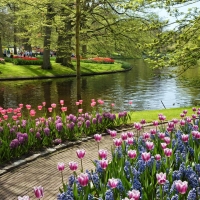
point(14, 117)
point(143, 121)
point(149, 145)
point(21, 105)
point(92, 100)
point(113, 182)
point(130, 134)
point(44, 103)
point(80, 101)
point(185, 137)
point(83, 179)
point(182, 122)
point(64, 109)
point(28, 107)
point(60, 166)
point(146, 156)
point(182, 115)
point(130, 141)
point(132, 154)
point(161, 135)
point(161, 117)
point(97, 137)
point(137, 126)
point(167, 140)
point(53, 105)
point(39, 107)
point(153, 131)
point(113, 133)
point(50, 109)
point(146, 136)
point(77, 103)
point(157, 157)
point(80, 110)
point(80, 153)
point(163, 145)
point(194, 109)
point(124, 136)
point(188, 119)
point(130, 102)
point(194, 116)
point(175, 121)
point(103, 154)
point(73, 166)
point(161, 178)
point(32, 113)
point(155, 123)
point(112, 104)
point(39, 192)
point(168, 152)
point(93, 104)
point(185, 112)
point(101, 102)
point(117, 142)
point(24, 198)
point(181, 186)
point(61, 102)
point(135, 194)
point(103, 163)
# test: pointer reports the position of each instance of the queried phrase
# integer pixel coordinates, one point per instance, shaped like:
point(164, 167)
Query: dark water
point(138, 85)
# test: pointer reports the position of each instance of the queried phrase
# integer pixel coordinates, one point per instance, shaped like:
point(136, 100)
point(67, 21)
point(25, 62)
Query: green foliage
point(9, 60)
point(27, 62)
point(125, 65)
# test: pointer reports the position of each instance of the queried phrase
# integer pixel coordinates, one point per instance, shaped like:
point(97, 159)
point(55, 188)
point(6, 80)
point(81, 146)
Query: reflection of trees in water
point(46, 87)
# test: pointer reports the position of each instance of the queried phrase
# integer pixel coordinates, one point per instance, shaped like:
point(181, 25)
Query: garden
point(162, 163)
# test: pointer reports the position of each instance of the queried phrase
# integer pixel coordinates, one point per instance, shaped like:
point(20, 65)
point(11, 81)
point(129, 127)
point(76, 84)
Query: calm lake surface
point(138, 85)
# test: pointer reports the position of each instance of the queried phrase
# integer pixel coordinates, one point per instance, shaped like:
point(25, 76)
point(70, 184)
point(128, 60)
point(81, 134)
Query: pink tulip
point(92, 100)
point(161, 135)
point(185, 138)
point(28, 107)
point(62, 102)
point(182, 122)
point(185, 112)
point(77, 103)
point(44, 103)
point(130, 134)
point(14, 117)
point(161, 178)
point(113, 134)
point(132, 154)
point(146, 136)
point(97, 137)
point(130, 141)
point(83, 179)
point(181, 186)
point(24, 198)
point(155, 123)
point(80, 153)
point(60, 166)
point(134, 194)
point(93, 104)
point(53, 105)
point(103, 163)
point(149, 145)
point(143, 121)
point(9, 110)
point(161, 117)
point(117, 142)
point(63, 109)
point(113, 183)
point(182, 115)
point(103, 154)
point(137, 126)
point(194, 116)
point(167, 140)
point(146, 156)
point(50, 109)
point(188, 119)
point(157, 157)
point(130, 102)
point(73, 166)
point(5, 117)
point(163, 145)
point(101, 102)
point(194, 109)
point(21, 105)
point(39, 192)
point(39, 107)
point(153, 131)
point(168, 152)
point(32, 113)
point(112, 104)
point(80, 110)
point(124, 136)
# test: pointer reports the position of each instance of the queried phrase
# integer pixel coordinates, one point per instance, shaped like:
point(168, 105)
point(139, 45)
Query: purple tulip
point(80, 153)
point(181, 186)
point(83, 179)
point(113, 183)
point(103, 154)
point(59, 126)
point(134, 194)
point(103, 163)
point(73, 166)
point(161, 178)
point(61, 166)
point(39, 192)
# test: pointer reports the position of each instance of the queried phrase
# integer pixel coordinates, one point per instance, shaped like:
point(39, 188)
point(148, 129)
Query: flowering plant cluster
point(162, 163)
point(103, 60)
point(25, 58)
point(2, 61)
point(24, 128)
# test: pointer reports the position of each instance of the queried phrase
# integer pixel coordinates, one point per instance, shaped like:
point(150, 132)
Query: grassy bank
point(152, 115)
point(9, 70)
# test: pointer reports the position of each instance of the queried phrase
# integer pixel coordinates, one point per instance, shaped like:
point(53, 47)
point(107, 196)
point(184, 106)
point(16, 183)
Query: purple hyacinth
point(59, 126)
point(94, 120)
point(71, 125)
point(87, 123)
point(38, 136)
point(14, 143)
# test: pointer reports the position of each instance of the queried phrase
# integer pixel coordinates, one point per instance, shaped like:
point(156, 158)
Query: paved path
point(43, 171)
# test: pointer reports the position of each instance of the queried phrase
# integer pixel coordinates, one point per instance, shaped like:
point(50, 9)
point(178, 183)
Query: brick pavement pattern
point(43, 171)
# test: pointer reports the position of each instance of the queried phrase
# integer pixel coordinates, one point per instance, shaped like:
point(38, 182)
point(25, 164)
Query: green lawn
point(9, 70)
point(152, 115)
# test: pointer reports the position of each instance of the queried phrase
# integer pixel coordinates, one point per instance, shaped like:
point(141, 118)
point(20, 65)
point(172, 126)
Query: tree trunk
point(84, 50)
point(46, 53)
point(59, 53)
point(1, 51)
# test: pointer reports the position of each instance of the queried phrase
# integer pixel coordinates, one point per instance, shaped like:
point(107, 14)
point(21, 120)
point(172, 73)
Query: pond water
point(138, 85)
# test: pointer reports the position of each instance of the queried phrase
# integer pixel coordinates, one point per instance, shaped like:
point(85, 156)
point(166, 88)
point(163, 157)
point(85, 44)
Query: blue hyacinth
point(109, 195)
point(192, 195)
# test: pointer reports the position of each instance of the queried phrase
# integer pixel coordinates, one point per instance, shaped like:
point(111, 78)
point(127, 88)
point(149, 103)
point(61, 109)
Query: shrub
point(27, 62)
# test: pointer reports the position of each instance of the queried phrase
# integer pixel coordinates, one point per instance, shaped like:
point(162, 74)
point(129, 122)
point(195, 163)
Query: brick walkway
point(43, 171)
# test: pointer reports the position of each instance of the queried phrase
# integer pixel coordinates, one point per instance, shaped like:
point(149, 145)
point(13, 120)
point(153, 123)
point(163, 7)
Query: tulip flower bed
point(23, 130)
point(160, 164)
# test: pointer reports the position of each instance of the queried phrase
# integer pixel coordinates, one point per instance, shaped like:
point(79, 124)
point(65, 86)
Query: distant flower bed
point(97, 60)
point(26, 58)
point(20, 135)
point(2, 61)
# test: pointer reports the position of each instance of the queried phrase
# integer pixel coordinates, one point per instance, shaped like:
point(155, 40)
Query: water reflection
point(138, 85)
